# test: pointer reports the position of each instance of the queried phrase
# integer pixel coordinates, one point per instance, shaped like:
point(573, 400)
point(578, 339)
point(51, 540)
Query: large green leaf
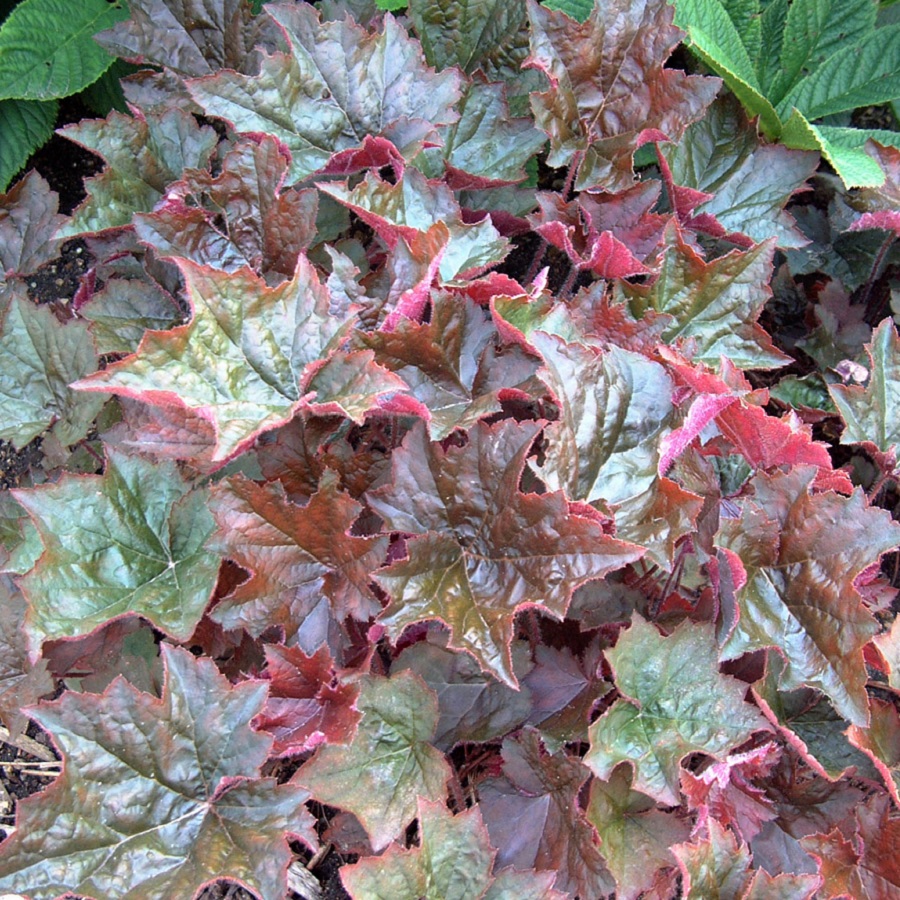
point(674, 703)
point(801, 553)
point(47, 48)
point(128, 541)
point(872, 413)
point(389, 764)
point(158, 796)
point(25, 125)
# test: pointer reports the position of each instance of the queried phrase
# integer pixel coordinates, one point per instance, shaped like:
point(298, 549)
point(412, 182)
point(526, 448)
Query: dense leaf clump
point(469, 454)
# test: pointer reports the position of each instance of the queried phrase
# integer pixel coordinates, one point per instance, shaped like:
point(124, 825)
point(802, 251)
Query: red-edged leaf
point(674, 702)
point(144, 154)
point(880, 206)
point(389, 763)
point(888, 644)
point(801, 554)
point(158, 796)
point(482, 549)
point(129, 541)
point(534, 818)
point(452, 862)
point(239, 217)
point(336, 83)
point(29, 218)
point(881, 743)
point(635, 835)
point(308, 702)
point(610, 90)
point(294, 554)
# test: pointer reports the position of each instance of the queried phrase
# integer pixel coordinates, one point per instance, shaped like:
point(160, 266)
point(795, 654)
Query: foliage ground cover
point(467, 454)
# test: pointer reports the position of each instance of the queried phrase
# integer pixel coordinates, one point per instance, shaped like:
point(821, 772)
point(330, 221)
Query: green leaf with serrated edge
point(861, 74)
point(335, 85)
point(390, 763)
point(716, 304)
point(451, 364)
point(413, 205)
point(143, 156)
point(244, 359)
point(47, 48)
point(481, 549)
point(772, 23)
point(294, 554)
point(158, 796)
point(575, 9)
point(25, 125)
point(452, 861)
point(674, 703)
point(512, 884)
point(39, 358)
point(716, 867)
point(612, 406)
point(801, 553)
point(751, 181)
point(714, 38)
point(129, 541)
point(635, 835)
point(872, 413)
point(610, 89)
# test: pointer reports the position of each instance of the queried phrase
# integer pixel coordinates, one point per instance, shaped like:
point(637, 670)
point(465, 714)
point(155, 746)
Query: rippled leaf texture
point(143, 155)
point(390, 762)
point(294, 554)
point(751, 181)
point(715, 303)
point(39, 358)
point(414, 205)
point(248, 357)
point(872, 413)
point(452, 862)
point(29, 217)
point(801, 553)
point(480, 549)
point(674, 703)
point(451, 364)
point(129, 541)
point(881, 743)
point(610, 90)
point(534, 818)
point(240, 217)
point(308, 702)
point(336, 84)
point(635, 835)
point(191, 37)
point(158, 796)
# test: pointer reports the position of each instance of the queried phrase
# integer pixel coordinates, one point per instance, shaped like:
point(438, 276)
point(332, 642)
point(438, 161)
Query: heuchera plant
point(418, 479)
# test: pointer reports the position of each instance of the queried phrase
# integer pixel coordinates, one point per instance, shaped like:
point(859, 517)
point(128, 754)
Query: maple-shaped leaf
point(414, 205)
point(674, 702)
point(129, 541)
point(635, 835)
point(750, 182)
point(720, 867)
point(716, 303)
point(308, 702)
point(239, 217)
point(21, 681)
point(336, 84)
point(190, 37)
point(800, 554)
point(158, 796)
point(473, 707)
point(29, 218)
point(246, 358)
point(610, 90)
point(389, 763)
point(451, 364)
point(294, 554)
point(39, 359)
point(452, 862)
point(144, 154)
point(872, 413)
point(535, 820)
point(481, 549)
